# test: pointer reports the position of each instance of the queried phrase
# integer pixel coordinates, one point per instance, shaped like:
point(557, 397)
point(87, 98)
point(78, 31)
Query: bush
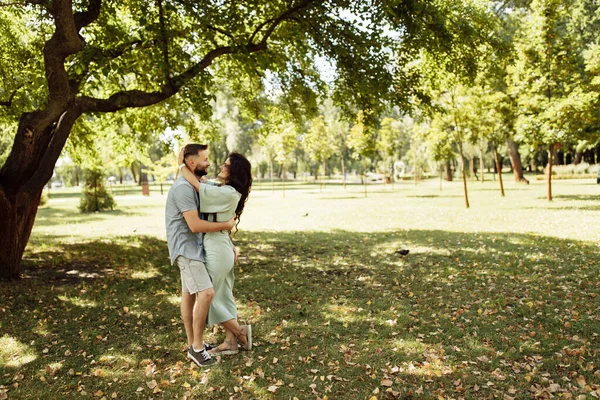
point(581, 168)
point(94, 197)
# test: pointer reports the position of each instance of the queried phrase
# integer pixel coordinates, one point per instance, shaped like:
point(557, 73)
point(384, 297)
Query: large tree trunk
point(17, 213)
point(29, 166)
point(515, 159)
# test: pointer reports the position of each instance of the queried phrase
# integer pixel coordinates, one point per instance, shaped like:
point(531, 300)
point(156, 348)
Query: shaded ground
point(338, 314)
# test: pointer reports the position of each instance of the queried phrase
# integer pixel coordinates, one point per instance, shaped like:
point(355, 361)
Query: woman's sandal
point(248, 345)
point(219, 351)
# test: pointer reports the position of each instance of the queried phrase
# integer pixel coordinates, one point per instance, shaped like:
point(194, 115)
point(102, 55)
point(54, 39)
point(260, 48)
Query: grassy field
point(496, 301)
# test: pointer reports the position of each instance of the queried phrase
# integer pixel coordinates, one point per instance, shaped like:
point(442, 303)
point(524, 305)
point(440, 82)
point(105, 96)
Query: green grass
point(497, 301)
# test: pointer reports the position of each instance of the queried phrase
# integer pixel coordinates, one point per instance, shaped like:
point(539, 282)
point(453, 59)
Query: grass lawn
point(497, 301)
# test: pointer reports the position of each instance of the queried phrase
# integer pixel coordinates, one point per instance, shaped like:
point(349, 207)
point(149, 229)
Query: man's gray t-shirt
point(181, 240)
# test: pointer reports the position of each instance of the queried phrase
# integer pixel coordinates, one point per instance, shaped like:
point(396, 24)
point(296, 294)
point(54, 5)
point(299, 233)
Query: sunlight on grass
point(341, 313)
point(117, 360)
point(41, 329)
point(14, 353)
point(150, 273)
point(78, 302)
point(174, 299)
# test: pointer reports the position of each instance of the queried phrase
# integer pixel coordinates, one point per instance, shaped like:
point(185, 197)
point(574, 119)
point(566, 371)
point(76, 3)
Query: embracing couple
point(199, 217)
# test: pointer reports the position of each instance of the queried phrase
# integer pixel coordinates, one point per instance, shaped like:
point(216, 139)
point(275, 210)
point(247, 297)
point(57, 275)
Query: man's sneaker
point(201, 358)
point(209, 347)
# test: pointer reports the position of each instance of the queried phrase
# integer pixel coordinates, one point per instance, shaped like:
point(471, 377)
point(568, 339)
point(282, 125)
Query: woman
point(221, 203)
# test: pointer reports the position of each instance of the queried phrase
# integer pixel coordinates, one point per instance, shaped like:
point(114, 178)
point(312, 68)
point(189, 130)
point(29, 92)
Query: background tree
point(388, 144)
point(163, 168)
point(319, 143)
point(548, 80)
point(362, 141)
point(94, 196)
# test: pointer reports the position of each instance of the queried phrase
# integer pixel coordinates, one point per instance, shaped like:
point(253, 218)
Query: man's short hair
point(193, 149)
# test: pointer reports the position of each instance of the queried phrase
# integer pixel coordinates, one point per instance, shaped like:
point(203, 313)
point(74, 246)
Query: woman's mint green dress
point(223, 201)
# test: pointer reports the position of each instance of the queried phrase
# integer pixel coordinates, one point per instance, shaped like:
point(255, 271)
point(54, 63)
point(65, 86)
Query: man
point(184, 237)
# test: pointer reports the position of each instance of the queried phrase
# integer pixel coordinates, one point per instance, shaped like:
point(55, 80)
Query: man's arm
point(198, 225)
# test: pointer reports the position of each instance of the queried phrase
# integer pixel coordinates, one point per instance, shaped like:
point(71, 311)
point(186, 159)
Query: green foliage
point(362, 138)
point(94, 196)
point(318, 140)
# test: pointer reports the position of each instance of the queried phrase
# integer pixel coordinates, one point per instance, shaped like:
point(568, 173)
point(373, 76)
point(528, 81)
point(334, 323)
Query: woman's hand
point(236, 253)
point(231, 223)
point(180, 156)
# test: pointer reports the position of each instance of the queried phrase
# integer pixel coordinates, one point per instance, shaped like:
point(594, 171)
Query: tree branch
point(139, 98)
point(221, 31)
point(84, 18)
point(64, 42)
point(58, 138)
point(164, 42)
point(8, 103)
point(276, 21)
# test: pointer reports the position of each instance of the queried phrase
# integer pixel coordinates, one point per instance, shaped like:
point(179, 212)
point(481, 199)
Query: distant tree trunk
point(578, 156)
point(77, 170)
point(271, 173)
point(472, 172)
point(322, 183)
point(143, 176)
point(464, 177)
point(365, 174)
point(441, 169)
point(497, 159)
point(120, 175)
point(515, 160)
point(551, 150)
point(481, 164)
point(343, 171)
point(283, 179)
point(448, 170)
point(133, 173)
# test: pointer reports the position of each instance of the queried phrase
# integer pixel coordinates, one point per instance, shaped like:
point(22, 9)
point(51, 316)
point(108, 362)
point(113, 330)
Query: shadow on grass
point(463, 306)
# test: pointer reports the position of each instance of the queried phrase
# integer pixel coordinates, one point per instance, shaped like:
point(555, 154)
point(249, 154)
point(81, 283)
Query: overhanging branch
point(8, 103)
point(84, 18)
point(274, 22)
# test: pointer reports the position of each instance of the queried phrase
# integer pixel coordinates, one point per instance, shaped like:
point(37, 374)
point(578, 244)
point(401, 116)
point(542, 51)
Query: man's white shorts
point(194, 277)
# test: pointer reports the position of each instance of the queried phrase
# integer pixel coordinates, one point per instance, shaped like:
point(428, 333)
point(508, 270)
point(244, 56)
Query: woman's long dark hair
point(240, 178)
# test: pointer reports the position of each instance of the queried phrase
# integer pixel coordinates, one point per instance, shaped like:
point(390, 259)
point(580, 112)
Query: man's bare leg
point(187, 311)
point(200, 313)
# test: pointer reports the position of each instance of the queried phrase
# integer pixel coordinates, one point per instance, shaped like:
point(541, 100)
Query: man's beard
point(199, 172)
